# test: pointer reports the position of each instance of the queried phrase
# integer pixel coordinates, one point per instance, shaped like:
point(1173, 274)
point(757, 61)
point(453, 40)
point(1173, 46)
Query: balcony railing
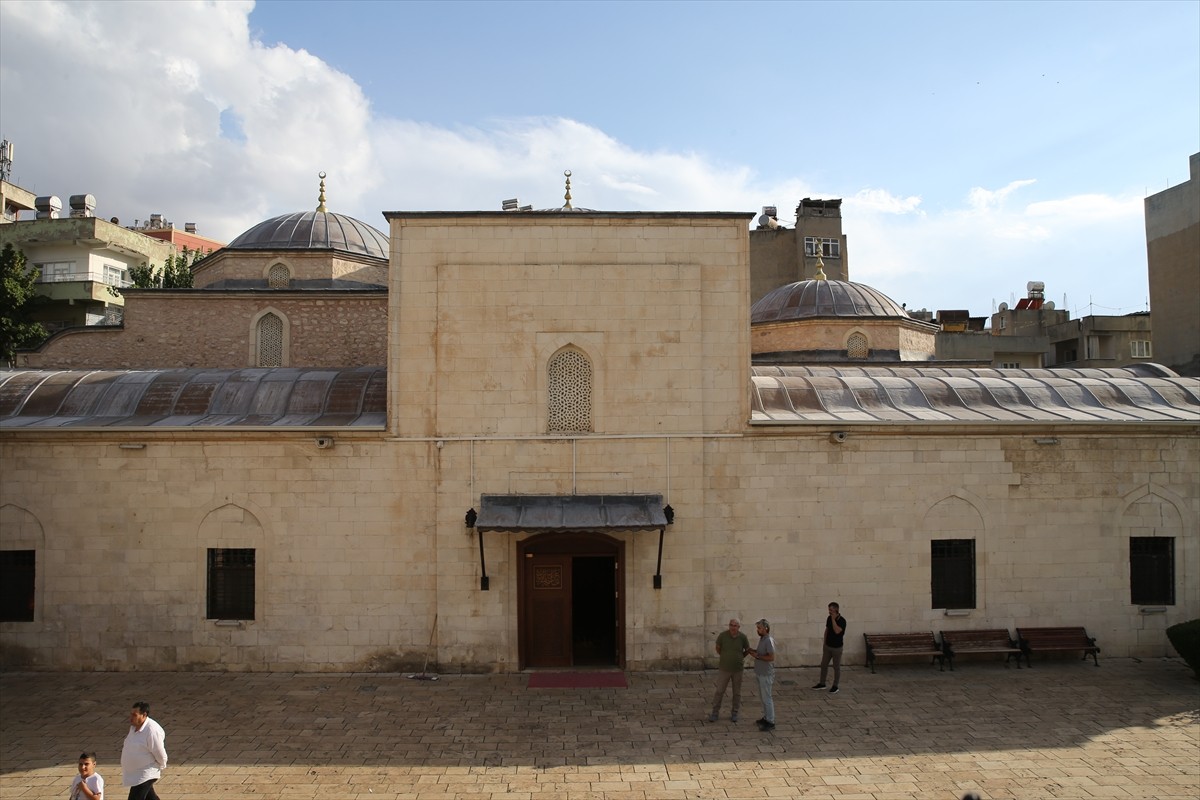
point(85, 277)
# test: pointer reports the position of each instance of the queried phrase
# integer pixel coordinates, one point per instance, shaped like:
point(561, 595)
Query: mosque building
point(521, 439)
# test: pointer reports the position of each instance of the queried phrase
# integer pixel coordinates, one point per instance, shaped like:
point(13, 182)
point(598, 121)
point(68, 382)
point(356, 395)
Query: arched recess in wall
point(231, 561)
point(954, 552)
point(570, 388)
point(270, 339)
point(278, 275)
point(24, 537)
point(858, 345)
point(1152, 525)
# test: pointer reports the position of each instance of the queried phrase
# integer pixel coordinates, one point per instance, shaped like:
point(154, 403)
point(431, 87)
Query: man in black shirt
point(831, 650)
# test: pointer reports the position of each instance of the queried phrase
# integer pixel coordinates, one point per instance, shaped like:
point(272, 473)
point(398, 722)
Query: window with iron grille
point(279, 277)
point(231, 583)
point(857, 346)
point(1152, 570)
point(270, 341)
point(952, 573)
point(18, 570)
point(570, 392)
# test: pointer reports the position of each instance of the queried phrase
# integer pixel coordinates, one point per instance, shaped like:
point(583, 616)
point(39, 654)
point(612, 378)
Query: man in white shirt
point(144, 754)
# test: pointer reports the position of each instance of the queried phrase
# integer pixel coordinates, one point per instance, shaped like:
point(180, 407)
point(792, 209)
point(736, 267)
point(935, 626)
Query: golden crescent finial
point(567, 197)
point(321, 198)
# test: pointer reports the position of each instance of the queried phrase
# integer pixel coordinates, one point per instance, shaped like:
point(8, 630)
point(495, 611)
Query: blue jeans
point(765, 682)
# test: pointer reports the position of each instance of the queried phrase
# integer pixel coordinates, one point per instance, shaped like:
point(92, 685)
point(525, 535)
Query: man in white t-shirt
point(144, 754)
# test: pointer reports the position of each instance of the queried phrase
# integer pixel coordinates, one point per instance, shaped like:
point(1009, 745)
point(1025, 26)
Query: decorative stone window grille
point(279, 277)
point(270, 341)
point(857, 346)
point(570, 392)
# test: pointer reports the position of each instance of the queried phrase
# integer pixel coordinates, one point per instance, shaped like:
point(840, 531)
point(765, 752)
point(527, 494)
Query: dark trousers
point(143, 791)
point(833, 654)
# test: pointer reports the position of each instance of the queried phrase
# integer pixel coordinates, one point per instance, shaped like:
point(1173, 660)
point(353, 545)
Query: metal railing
point(83, 277)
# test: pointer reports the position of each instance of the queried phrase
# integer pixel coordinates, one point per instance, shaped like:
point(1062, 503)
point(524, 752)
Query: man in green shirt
point(732, 646)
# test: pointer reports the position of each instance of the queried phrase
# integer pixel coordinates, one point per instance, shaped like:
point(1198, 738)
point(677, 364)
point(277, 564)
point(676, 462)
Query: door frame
point(571, 543)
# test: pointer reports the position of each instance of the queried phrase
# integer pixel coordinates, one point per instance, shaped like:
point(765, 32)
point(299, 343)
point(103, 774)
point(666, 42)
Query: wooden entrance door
point(548, 610)
point(571, 610)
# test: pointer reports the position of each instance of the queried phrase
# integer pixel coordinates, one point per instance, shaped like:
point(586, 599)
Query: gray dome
point(314, 230)
point(816, 299)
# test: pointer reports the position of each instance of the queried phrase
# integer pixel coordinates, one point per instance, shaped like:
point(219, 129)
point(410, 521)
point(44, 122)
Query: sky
point(976, 146)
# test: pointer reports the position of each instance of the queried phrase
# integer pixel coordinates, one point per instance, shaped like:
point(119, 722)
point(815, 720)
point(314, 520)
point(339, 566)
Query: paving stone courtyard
point(1064, 729)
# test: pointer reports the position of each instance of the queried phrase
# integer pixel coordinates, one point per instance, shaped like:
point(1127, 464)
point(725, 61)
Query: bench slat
point(880, 645)
point(995, 640)
point(1059, 640)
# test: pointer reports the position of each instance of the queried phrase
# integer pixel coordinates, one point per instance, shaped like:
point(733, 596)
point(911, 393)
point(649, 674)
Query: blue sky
point(977, 146)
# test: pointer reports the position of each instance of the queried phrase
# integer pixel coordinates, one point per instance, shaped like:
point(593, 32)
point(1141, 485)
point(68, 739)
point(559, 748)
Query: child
point(88, 785)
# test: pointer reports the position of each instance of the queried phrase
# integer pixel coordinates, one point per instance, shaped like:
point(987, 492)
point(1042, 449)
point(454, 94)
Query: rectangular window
point(230, 583)
point(830, 248)
point(18, 569)
point(1139, 348)
point(1152, 570)
point(1010, 365)
point(114, 275)
point(56, 271)
point(952, 573)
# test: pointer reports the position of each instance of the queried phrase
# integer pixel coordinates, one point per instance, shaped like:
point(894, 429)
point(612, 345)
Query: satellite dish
point(1048, 305)
point(1004, 306)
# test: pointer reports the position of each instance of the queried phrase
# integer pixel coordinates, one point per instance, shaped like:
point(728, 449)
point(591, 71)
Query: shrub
point(1186, 638)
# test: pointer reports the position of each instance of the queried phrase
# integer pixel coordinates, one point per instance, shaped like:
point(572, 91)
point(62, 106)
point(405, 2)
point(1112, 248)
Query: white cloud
point(189, 116)
point(982, 199)
point(883, 201)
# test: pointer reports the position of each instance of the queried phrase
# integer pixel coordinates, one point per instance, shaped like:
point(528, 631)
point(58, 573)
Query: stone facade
point(363, 555)
point(361, 545)
point(190, 328)
point(902, 340)
point(302, 265)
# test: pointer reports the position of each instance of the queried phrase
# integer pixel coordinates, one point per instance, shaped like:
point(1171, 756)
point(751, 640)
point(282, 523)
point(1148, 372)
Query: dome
point(314, 230)
point(816, 299)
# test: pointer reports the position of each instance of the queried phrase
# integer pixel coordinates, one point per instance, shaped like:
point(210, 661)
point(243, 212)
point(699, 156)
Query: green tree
point(16, 299)
point(175, 273)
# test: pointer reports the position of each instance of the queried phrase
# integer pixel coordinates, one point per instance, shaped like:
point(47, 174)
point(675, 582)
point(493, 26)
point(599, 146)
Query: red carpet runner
point(577, 680)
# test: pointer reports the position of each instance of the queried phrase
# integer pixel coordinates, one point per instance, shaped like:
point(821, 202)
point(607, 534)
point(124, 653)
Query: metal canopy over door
point(572, 611)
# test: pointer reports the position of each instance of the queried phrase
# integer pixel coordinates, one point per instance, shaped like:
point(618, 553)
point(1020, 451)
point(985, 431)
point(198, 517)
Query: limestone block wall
point(797, 522)
point(302, 264)
point(831, 335)
point(663, 627)
point(362, 548)
point(480, 303)
point(345, 564)
point(191, 329)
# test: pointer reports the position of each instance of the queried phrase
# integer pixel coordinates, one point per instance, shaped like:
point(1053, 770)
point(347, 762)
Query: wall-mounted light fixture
point(1045, 440)
point(132, 446)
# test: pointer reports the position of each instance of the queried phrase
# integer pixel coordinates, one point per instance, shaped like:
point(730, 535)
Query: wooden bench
point(1056, 640)
point(989, 641)
point(881, 645)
